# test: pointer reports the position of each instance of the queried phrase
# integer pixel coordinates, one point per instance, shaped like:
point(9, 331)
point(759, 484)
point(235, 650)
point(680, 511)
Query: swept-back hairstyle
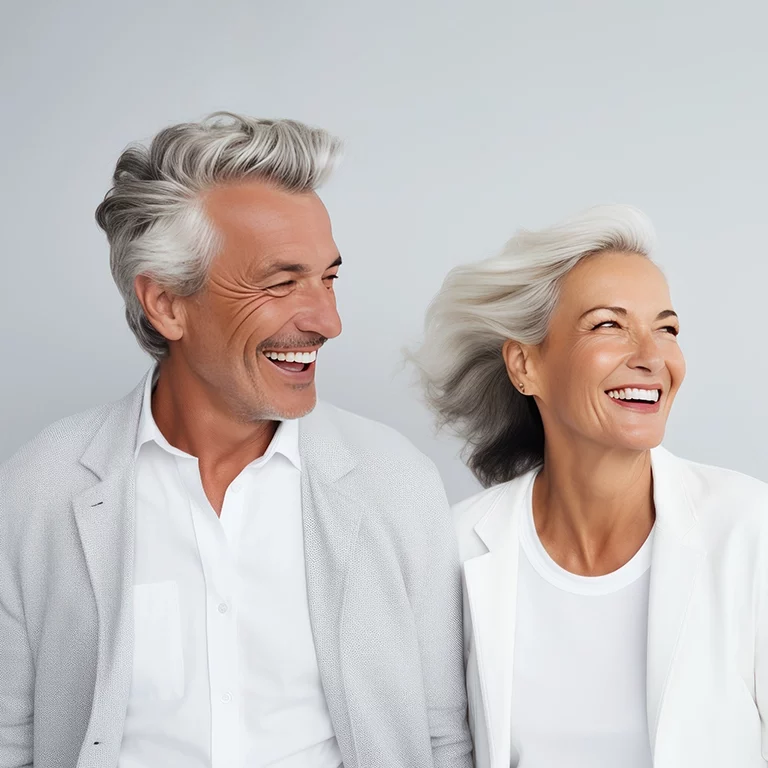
point(153, 215)
point(509, 296)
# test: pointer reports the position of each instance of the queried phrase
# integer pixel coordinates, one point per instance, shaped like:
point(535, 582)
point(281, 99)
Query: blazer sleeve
point(16, 671)
point(761, 663)
point(438, 616)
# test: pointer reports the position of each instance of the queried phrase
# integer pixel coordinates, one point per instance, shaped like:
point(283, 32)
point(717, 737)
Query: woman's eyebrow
point(623, 312)
point(617, 310)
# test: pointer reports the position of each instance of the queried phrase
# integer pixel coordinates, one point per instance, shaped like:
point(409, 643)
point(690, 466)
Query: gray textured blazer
point(383, 584)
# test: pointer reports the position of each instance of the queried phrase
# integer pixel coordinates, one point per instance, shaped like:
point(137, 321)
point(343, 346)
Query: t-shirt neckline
point(574, 583)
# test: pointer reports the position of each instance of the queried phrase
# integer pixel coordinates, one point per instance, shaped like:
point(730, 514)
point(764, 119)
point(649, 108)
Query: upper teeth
point(651, 395)
point(293, 357)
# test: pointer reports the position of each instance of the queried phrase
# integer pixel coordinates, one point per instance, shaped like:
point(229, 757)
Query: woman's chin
point(637, 443)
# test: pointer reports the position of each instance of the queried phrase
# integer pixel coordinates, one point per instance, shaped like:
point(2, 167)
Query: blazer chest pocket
point(158, 660)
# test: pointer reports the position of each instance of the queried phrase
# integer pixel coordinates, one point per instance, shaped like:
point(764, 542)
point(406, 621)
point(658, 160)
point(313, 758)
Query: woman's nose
point(647, 354)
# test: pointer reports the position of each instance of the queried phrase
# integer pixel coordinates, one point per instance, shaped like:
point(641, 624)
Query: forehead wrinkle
point(259, 224)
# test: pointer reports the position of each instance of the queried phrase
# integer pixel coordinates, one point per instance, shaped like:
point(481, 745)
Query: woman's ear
point(160, 307)
point(515, 357)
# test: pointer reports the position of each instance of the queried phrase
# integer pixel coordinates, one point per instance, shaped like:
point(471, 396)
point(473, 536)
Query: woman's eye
point(606, 324)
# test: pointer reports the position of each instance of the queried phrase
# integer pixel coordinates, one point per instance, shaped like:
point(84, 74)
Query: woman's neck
point(593, 508)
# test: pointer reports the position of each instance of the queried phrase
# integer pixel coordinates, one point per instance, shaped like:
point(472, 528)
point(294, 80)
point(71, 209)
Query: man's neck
point(195, 420)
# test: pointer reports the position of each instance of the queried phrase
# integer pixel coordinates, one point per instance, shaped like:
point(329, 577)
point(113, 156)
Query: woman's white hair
point(509, 296)
point(153, 215)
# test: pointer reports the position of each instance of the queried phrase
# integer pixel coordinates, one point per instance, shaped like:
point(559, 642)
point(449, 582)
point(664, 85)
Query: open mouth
point(643, 396)
point(295, 361)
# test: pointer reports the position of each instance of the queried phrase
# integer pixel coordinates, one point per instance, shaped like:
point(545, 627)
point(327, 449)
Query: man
point(213, 571)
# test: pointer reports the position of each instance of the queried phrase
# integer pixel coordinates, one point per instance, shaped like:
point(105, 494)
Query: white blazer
point(707, 683)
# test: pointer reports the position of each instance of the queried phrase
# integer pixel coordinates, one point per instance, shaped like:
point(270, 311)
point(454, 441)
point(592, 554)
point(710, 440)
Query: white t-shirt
point(578, 695)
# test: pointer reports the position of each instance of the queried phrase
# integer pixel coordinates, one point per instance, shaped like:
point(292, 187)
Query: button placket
point(215, 547)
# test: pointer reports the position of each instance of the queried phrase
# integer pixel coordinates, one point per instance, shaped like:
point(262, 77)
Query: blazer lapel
point(331, 515)
point(675, 564)
point(104, 515)
point(491, 582)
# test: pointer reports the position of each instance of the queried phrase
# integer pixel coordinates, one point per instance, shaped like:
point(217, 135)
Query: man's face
point(253, 333)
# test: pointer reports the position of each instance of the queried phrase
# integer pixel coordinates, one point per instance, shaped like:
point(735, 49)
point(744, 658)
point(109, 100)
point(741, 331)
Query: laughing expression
point(254, 333)
point(610, 367)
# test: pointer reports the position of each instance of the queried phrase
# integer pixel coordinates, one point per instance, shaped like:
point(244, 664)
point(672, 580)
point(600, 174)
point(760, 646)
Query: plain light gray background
point(463, 121)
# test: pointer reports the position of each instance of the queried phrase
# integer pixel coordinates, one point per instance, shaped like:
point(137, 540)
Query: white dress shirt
point(224, 673)
point(579, 671)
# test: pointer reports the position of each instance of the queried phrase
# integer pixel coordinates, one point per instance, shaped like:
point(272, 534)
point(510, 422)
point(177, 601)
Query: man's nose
point(319, 314)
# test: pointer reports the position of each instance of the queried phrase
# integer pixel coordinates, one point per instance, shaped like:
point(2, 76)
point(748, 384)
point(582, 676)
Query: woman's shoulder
point(721, 496)
point(707, 479)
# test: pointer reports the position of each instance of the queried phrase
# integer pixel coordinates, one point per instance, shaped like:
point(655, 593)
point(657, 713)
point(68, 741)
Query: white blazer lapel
point(675, 564)
point(491, 582)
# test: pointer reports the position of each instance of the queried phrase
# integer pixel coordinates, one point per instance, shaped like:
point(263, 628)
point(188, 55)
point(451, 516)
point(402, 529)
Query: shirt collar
point(285, 440)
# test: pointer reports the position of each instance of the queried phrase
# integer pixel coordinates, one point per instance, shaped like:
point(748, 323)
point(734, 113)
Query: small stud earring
point(522, 387)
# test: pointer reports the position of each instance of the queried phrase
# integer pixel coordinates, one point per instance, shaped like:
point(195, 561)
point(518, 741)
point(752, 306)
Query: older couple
point(219, 571)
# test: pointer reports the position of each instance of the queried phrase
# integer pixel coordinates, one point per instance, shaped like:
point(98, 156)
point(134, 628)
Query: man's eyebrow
point(285, 266)
point(292, 267)
point(666, 313)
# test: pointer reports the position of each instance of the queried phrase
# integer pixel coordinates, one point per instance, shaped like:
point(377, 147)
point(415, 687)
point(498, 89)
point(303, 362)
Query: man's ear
point(516, 358)
point(162, 308)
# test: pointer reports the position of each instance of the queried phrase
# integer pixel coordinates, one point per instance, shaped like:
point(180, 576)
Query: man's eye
point(282, 286)
point(671, 329)
point(331, 277)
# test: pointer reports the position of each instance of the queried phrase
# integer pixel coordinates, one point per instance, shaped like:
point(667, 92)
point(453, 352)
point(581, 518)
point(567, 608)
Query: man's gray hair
point(509, 296)
point(153, 215)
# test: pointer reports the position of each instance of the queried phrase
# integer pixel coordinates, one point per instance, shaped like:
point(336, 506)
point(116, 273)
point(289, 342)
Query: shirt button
point(226, 698)
point(223, 607)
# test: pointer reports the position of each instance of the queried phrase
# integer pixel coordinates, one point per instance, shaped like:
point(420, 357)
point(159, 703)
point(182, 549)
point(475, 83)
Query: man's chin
point(289, 411)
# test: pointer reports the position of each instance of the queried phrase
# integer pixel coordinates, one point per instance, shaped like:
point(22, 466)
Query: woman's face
point(610, 366)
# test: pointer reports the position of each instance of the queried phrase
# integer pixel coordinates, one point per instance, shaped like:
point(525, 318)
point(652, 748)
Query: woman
point(616, 597)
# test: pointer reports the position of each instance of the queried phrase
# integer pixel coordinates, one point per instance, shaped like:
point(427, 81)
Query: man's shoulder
point(367, 439)
point(62, 442)
point(38, 483)
point(401, 486)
